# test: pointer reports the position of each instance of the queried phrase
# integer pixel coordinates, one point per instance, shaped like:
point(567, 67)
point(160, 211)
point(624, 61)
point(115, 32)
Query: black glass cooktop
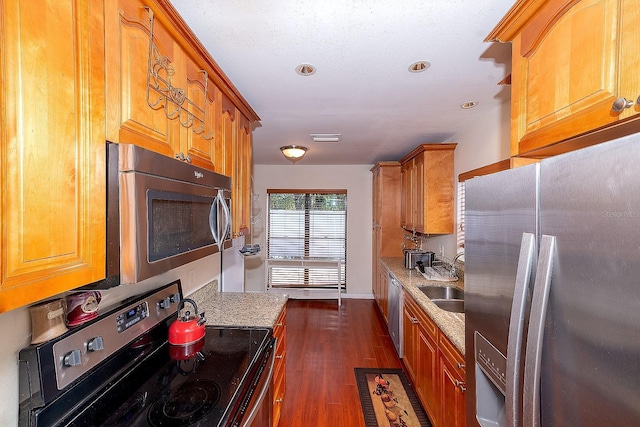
point(203, 390)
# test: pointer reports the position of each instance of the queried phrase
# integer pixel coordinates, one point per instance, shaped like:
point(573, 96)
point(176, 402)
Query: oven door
point(164, 223)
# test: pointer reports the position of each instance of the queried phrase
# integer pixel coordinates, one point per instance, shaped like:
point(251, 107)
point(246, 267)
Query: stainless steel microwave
point(161, 213)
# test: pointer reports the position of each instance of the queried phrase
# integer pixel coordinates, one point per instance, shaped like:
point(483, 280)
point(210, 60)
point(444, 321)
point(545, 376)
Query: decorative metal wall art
point(162, 94)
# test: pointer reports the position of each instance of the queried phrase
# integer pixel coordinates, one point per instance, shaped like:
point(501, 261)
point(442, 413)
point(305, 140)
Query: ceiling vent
point(326, 137)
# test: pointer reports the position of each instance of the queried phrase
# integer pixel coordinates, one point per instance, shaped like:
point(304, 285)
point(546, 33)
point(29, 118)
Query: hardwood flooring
point(324, 343)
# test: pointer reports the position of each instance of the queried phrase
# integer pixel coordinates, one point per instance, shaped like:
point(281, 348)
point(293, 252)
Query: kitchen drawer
point(425, 321)
point(452, 354)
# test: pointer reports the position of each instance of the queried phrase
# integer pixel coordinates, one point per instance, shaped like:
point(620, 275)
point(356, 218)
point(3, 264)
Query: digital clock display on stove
point(132, 316)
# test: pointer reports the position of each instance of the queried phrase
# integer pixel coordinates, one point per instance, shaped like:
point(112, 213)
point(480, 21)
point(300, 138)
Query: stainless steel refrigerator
point(552, 291)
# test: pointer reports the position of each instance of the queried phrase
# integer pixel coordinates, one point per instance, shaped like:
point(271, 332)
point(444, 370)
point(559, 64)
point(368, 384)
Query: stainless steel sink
point(442, 292)
point(454, 305)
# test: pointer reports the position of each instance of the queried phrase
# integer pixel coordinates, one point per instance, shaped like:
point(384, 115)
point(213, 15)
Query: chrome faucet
point(452, 267)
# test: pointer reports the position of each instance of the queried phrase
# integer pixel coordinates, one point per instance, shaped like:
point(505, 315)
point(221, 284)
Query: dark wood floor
point(324, 343)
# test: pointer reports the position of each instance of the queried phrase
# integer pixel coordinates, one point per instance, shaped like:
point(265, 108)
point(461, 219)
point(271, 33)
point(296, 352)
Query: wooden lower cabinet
point(435, 366)
point(381, 290)
point(279, 375)
point(452, 384)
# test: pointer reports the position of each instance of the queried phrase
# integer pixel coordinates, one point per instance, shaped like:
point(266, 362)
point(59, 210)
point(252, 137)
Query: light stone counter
point(241, 309)
point(451, 324)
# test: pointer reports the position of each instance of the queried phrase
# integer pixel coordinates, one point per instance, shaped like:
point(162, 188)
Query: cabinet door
point(405, 202)
point(452, 396)
point(418, 211)
point(383, 291)
point(436, 177)
point(410, 337)
point(564, 77)
point(279, 376)
point(225, 142)
point(242, 177)
point(629, 58)
point(52, 149)
point(131, 118)
point(452, 384)
point(197, 140)
point(427, 373)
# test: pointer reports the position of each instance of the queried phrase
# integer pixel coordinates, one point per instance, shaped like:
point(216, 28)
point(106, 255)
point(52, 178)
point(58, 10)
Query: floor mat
point(388, 400)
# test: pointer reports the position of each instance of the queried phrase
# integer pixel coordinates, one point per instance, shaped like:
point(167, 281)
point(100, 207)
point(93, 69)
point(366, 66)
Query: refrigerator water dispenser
point(490, 370)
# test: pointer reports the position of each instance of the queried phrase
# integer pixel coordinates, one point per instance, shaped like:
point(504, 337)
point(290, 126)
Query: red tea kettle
point(186, 334)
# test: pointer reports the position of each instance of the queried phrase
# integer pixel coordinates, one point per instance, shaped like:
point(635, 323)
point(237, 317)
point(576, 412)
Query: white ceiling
point(362, 88)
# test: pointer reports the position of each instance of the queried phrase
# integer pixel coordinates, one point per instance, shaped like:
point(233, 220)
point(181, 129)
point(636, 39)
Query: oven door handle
point(213, 218)
point(265, 389)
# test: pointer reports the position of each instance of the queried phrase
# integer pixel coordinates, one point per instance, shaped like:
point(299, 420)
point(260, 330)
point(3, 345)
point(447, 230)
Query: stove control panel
point(132, 316)
point(87, 346)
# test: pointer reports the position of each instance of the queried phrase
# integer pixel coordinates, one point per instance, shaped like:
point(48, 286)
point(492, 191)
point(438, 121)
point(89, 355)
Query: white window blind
point(306, 225)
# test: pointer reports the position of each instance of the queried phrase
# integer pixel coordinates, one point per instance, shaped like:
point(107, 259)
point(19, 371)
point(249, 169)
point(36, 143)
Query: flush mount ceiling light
point(469, 104)
point(293, 152)
point(419, 66)
point(326, 137)
point(305, 69)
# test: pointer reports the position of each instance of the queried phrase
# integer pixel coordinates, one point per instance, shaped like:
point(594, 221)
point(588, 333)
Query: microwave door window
point(178, 223)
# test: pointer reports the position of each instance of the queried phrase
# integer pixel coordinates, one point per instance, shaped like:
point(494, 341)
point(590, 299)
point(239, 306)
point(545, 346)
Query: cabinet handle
point(460, 385)
point(280, 356)
point(279, 400)
point(460, 365)
point(414, 320)
point(279, 324)
point(182, 157)
point(621, 103)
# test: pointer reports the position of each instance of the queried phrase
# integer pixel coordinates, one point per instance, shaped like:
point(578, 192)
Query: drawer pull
point(414, 320)
point(460, 385)
point(279, 400)
point(460, 365)
point(280, 356)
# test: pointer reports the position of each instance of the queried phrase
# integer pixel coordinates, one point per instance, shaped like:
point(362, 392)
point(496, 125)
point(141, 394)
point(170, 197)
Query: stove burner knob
point(165, 303)
point(175, 297)
point(95, 344)
point(73, 358)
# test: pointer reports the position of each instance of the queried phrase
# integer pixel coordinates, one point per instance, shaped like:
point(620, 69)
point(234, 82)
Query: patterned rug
point(387, 399)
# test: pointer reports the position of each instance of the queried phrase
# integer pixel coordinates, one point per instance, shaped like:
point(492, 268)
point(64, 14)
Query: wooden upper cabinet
point(571, 60)
point(427, 189)
point(135, 114)
point(243, 173)
point(166, 93)
point(52, 148)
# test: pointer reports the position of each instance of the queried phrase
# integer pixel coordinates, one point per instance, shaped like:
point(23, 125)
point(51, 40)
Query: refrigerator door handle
point(535, 335)
point(526, 262)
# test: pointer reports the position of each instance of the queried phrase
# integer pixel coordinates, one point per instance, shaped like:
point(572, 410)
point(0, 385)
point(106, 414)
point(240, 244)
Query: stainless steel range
point(117, 371)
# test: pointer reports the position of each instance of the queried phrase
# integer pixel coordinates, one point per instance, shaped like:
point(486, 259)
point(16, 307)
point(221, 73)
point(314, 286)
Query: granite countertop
point(451, 324)
point(241, 309)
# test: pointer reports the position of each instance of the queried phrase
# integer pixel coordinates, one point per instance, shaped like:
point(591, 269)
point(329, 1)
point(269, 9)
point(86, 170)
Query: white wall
point(15, 325)
point(484, 142)
point(356, 179)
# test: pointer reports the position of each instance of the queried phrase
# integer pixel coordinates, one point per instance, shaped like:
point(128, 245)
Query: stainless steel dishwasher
point(395, 313)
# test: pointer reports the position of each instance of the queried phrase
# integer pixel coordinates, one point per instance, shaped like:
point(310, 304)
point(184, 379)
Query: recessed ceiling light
point(419, 66)
point(305, 69)
point(469, 104)
point(326, 137)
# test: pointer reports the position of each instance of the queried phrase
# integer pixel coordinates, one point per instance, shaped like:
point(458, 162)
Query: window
point(461, 208)
point(307, 225)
